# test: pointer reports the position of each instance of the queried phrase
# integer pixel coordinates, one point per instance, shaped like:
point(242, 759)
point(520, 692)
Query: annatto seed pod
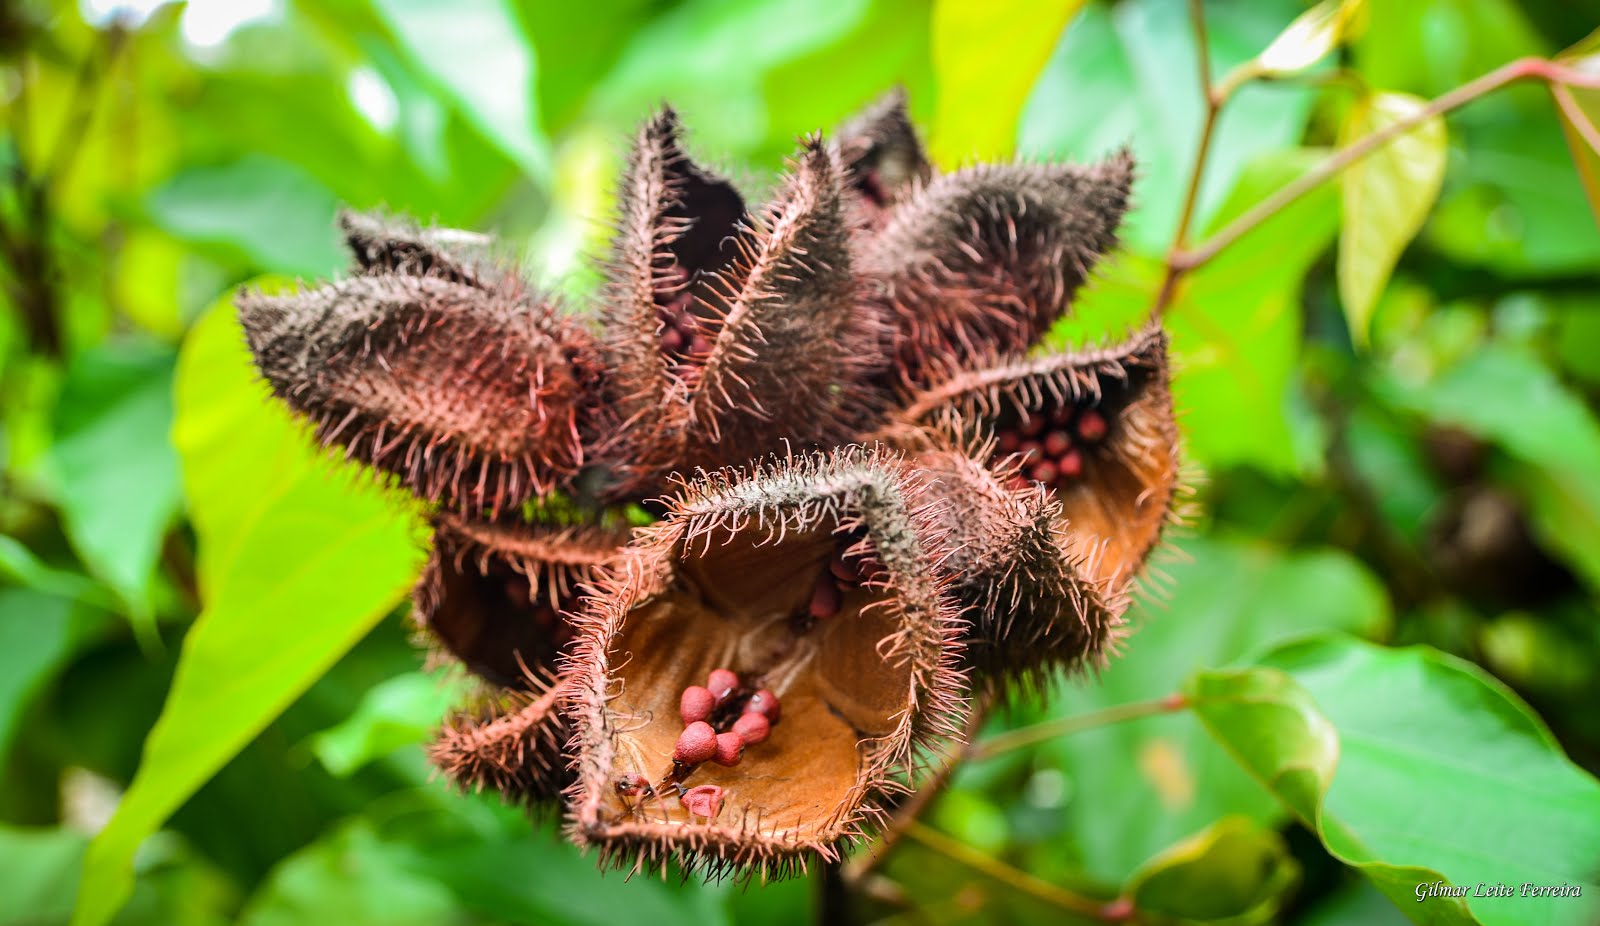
point(493, 595)
point(1034, 604)
point(724, 581)
point(468, 389)
point(1119, 487)
point(883, 157)
point(511, 746)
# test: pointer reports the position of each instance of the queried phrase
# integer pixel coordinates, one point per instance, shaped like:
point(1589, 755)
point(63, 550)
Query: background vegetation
point(1382, 618)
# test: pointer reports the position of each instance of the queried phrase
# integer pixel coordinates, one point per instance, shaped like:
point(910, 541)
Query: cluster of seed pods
point(845, 570)
point(1051, 446)
point(743, 715)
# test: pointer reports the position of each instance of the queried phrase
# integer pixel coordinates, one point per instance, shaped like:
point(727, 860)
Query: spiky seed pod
point(984, 260)
point(1032, 604)
point(514, 748)
point(382, 245)
point(791, 351)
point(883, 158)
point(723, 582)
point(473, 398)
point(493, 595)
point(677, 224)
point(1122, 498)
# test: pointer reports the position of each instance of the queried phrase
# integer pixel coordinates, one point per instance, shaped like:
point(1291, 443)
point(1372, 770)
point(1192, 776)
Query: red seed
point(730, 747)
point(699, 346)
point(672, 341)
point(544, 617)
point(1092, 426)
point(1007, 441)
point(1056, 443)
point(844, 570)
point(1030, 451)
point(632, 785)
point(1070, 465)
point(765, 703)
point(1045, 472)
point(696, 744)
point(696, 704)
point(703, 801)
point(722, 682)
point(1061, 415)
point(1032, 426)
point(825, 598)
point(752, 728)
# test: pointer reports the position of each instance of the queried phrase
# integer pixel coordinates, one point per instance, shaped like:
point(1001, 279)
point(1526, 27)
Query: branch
point(1213, 101)
point(1063, 726)
point(1116, 911)
point(1521, 69)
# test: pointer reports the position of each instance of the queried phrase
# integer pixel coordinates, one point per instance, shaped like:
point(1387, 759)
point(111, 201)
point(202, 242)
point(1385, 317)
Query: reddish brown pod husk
point(1117, 484)
point(511, 745)
point(474, 395)
point(883, 157)
point(1034, 605)
point(493, 595)
point(725, 582)
point(985, 259)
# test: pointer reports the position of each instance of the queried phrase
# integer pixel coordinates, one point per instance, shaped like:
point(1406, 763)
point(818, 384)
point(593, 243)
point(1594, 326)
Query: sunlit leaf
point(986, 57)
point(477, 52)
point(115, 465)
point(297, 562)
point(1309, 38)
point(1416, 767)
point(1233, 870)
point(1141, 786)
point(400, 711)
point(1386, 195)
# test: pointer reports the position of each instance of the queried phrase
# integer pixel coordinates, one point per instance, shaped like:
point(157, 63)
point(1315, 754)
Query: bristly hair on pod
point(495, 596)
point(1096, 427)
point(511, 746)
point(984, 260)
point(1034, 608)
point(383, 245)
point(471, 397)
point(804, 590)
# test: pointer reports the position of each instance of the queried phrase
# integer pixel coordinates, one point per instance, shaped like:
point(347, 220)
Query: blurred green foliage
point(1392, 398)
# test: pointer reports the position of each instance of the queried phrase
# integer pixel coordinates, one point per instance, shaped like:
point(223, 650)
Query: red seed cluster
point(744, 716)
point(844, 571)
point(1051, 446)
point(683, 334)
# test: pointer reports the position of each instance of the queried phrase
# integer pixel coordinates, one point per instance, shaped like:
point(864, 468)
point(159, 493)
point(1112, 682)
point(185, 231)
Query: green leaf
point(354, 878)
point(114, 463)
point(1123, 74)
point(477, 53)
point(297, 562)
point(276, 215)
point(986, 57)
point(1233, 871)
point(1141, 786)
point(1387, 196)
point(400, 711)
point(1508, 396)
point(1415, 767)
point(18, 565)
point(38, 632)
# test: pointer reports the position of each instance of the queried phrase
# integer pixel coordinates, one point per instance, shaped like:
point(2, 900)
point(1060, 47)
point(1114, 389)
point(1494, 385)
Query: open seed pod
point(1032, 603)
point(806, 592)
point(470, 395)
point(1095, 427)
point(983, 260)
point(494, 595)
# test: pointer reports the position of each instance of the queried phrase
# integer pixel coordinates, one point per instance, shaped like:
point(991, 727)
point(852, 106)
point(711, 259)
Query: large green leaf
point(986, 57)
point(1140, 786)
point(1507, 395)
point(297, 562)
point(1125, 74)
point(478, 53)
point(1387, 195)
point(1416, 767)
point(115, 466)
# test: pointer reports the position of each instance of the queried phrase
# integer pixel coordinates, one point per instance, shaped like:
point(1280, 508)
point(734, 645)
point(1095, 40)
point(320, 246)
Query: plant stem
point(1050, 729)
point(1575, 115)
point(1521, 69)
point(1208, 125)
point(1112, 912)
